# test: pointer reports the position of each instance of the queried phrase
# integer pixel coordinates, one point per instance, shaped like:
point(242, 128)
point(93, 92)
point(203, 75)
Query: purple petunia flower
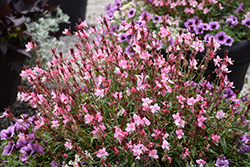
point(54, 164)
point(189, 23)
point(229, 41)
point(246, 22)
point(109, 15)
point(214, 25)
point(7, 133)
point(117, 4)
point(156, 19)
point(198, 29)
point(244, 148)
point(239, 9)
point(206, 26)
point(206, 37)
point(129, 50)
point(31, 150)
point(113, 28)
point(7, 150)
point(107, 7)
point(122, 37)
point(131, 12)
point(222, 162)
point(221, 37)
point(147, 15)
point(197, 20)
point(232, 21)
point(171, 40)
point(141, 23)
point(21, 143)
point(21, 126)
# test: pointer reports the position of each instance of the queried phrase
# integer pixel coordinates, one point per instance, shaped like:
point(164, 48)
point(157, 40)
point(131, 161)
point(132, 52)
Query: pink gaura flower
point(83, 24)
point(205, 11)
point(165, 145)
point(31, 45)
point(130, 127)
point(55, 123)
point(99, 92)
point(216, 138)
point(123, 64)
point(154, 108)
point(191, 101)
point(66, 31)
point(201, 119)
point(101, 153)
point(119, 134)
point(220, 114)
point(185, 153)
point(146, 102)
point(164, 32)
point(193, 3)
point(68, 145)
point(153, 154)
point(145, 121)
point(201, 162)
point(179, 133)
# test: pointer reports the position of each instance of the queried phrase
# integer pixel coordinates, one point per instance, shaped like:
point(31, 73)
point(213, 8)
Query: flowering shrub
point(228, 21)
point(137, 108)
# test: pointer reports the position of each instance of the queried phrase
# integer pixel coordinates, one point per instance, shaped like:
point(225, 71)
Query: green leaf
point(224, 145)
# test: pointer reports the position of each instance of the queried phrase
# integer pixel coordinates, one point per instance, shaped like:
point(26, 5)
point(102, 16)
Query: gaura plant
point(228, 21)
point(118, 108)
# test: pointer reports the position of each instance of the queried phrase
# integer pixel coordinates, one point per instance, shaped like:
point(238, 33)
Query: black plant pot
point(10, 68)
point(75, 9)
point(240, 53)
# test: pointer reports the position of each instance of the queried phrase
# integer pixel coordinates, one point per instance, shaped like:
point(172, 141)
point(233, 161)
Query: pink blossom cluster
point(141, 105)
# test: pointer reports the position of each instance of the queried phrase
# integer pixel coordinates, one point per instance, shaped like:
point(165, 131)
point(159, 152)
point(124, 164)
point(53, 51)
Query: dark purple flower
point(113, 28)
point(206, 37)
point(232, 21)
point(146, 15)
point(21, 143)
point(228, 93)
point(131, 12)
point(7, 150)
point(206, 26)
point(198, 29)
point(7, 133)
point(229, 41)
point(109, 15)
point(189, 23)
point(141, 23)
point(197, 20)
point(221, 37)
point(117, 4)
point(222, 162)
point(123, 23)
point(31, 150)
point(240, 9)
point(122, 37)
point(246, 22)
point(244, 99)
point(156, 19)
point(129, 50)
point(214, 25)
point(244, 148)
point(21, 126)
point(107, 7)
point(171, 40)
point(54, 164)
